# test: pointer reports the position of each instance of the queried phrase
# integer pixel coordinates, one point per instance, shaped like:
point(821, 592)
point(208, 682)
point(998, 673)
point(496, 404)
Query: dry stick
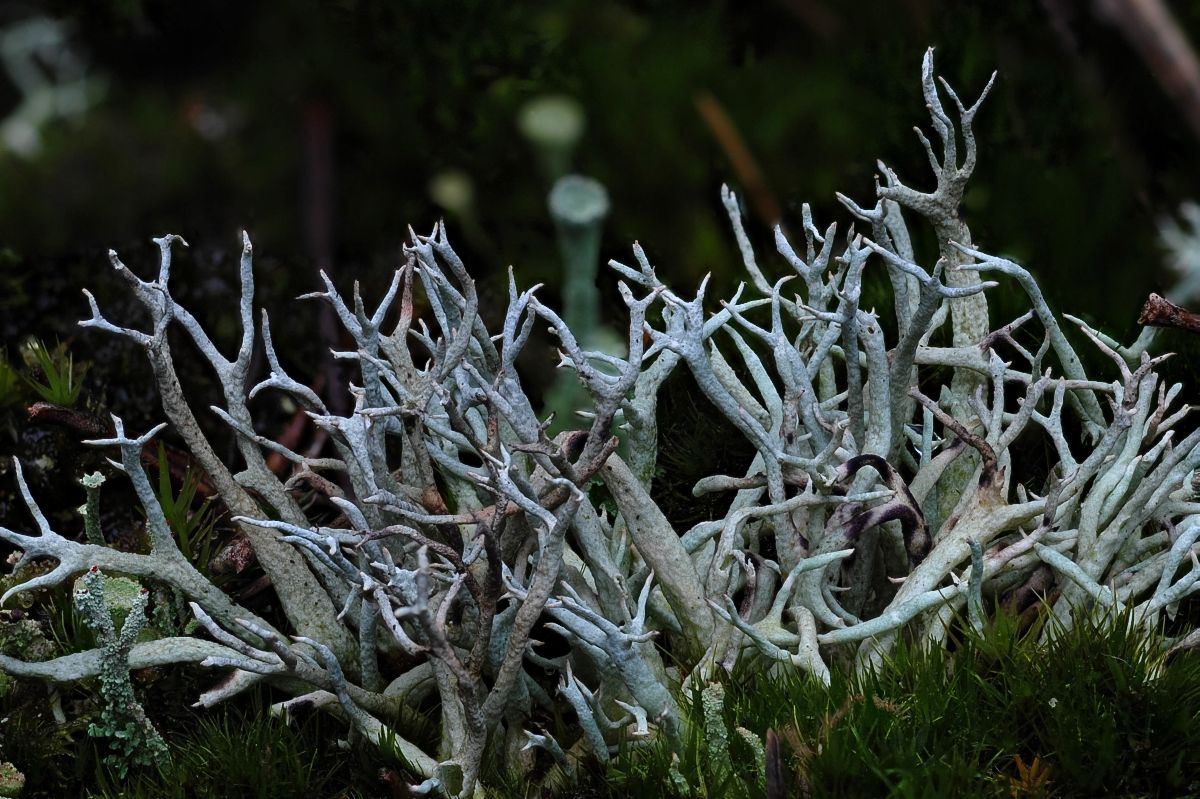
point(766, 206)
point(317, 133)
point(814, 15)
point(1155, 34)
point(1160, 312)
point(990, 461)
point(776, 789)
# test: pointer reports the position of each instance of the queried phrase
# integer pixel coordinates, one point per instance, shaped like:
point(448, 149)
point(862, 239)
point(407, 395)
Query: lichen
point(91, 510)
point(716, 734)
point(133, 740)
point(24, 637)
point(12, 781)
point(883, 497)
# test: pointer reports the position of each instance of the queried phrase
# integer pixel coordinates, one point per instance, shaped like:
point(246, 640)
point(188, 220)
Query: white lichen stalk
point(878, 503)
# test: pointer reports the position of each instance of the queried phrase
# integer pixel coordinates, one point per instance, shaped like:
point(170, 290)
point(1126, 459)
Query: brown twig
point(1155, 34)
point(1161, 312)
point(749, 174)
point(990, 463)
point(81, 422)
point(815, 16)
point(776, 789)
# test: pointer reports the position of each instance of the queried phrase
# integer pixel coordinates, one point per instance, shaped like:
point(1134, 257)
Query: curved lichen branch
point(952, 175)
point(153, 295)
point(162, 540)
point(165, 563)
point(143, 655)
point(1071, 365)
point(306, 602)
point(73, 558)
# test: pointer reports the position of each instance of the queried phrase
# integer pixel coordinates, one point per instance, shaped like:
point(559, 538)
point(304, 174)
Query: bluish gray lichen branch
point(883, 498)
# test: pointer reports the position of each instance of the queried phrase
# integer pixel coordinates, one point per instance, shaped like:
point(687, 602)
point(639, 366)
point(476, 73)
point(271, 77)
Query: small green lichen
point(678, 781)
point(119, 594)
point(91, 511)
point(760, 753)
point(716, 735)
point(132, 737)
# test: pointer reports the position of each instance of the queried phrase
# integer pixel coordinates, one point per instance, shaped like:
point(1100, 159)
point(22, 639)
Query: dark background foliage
point(318, 125)
point(215, 116)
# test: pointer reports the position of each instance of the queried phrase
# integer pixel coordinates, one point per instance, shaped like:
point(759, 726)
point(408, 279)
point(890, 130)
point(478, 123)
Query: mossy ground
point(1098, 711)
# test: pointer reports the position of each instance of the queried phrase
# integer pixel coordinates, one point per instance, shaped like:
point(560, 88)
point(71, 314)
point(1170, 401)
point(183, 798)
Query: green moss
point(1099, 710)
